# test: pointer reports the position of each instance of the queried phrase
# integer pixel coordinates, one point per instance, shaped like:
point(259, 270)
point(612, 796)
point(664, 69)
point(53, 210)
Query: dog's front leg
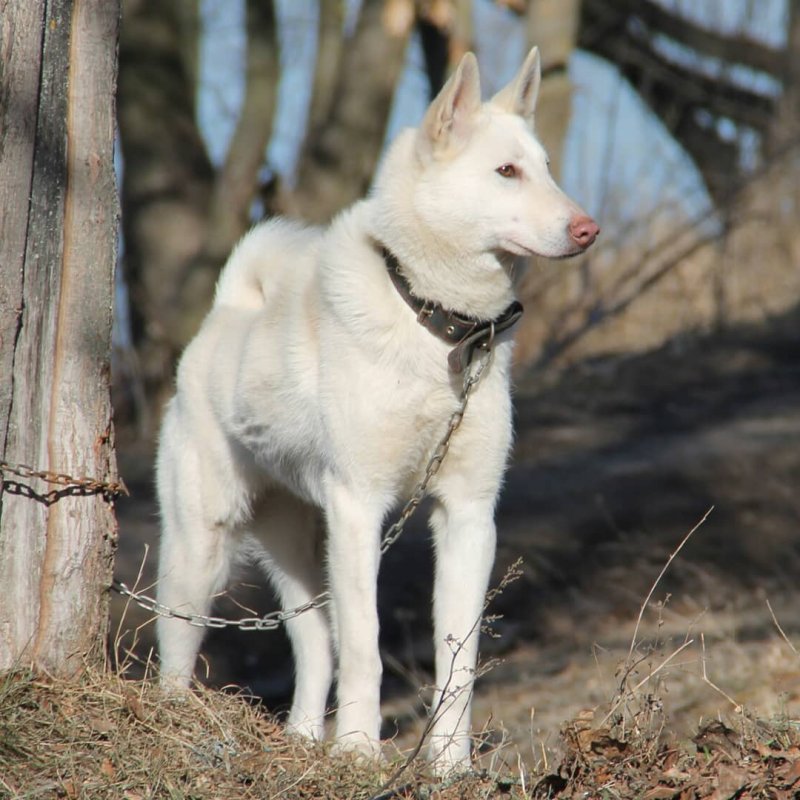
point(465, 545)
point(353, 561)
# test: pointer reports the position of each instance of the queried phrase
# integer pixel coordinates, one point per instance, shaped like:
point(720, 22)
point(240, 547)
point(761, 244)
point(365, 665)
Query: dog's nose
point(583, 231)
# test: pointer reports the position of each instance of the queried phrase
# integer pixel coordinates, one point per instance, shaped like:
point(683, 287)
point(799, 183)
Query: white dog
point(322, 378)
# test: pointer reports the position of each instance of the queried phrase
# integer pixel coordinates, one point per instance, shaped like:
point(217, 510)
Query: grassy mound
point(107, 737)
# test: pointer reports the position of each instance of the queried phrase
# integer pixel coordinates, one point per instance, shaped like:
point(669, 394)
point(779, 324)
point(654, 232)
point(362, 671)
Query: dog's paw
point(359, 746)
point(175, 686)
point(305, 728)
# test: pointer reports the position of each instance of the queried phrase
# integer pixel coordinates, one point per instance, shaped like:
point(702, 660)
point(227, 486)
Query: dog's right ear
point(449, 118)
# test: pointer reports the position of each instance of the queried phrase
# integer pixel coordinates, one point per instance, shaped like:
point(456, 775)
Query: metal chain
point(273, 620)
point(269, 622)
point(82, 486)
point(471, 379)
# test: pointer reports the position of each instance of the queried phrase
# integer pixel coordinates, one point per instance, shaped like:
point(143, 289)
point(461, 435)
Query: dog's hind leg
point(192, 568)
point(196, 542)
point(289, 549)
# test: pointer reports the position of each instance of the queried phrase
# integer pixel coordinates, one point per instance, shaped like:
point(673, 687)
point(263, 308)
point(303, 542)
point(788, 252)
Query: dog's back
point(264, 261)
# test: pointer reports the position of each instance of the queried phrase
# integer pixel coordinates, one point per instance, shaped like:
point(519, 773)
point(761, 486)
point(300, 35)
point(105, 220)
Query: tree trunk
point(181, 218)
point(340, 156)
point(167, 184)
point(237, 182)
point(553, 26)
point(57, 255)
point(330, 47)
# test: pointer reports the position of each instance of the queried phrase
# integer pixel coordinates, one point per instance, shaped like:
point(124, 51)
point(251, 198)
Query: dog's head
point(484, 175)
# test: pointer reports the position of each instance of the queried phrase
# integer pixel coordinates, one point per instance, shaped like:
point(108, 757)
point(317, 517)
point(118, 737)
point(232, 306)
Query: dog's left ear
point(519, 97)
point(449, 119)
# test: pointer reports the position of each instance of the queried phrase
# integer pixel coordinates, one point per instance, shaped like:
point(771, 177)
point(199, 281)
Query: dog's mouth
point(564, 256)
point(515, 248)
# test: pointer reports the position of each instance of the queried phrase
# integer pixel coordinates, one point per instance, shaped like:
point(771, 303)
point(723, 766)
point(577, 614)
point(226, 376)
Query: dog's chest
point(386, 437)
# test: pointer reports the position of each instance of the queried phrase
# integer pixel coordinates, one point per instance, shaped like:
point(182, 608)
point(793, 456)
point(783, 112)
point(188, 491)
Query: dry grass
point(105, 737)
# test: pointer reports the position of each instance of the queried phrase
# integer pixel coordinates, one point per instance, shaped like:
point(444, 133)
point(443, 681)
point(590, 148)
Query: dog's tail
point(253, 272)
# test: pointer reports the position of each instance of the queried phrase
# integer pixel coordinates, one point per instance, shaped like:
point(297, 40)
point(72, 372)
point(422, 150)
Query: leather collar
point(464, 333)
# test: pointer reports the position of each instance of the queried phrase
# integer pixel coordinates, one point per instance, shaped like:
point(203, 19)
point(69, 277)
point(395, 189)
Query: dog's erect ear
point(449, 118)
point(519, 97)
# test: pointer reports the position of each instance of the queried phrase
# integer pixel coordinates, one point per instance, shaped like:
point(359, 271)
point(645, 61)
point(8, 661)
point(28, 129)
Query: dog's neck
point(473, 285)
point(463, 334)
point(443, 270)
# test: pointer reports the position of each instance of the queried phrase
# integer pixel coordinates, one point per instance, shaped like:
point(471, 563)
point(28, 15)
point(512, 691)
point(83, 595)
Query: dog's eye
point(507, 171)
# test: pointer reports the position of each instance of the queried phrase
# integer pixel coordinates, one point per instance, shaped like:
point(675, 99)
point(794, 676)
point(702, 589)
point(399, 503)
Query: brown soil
point(616, 460)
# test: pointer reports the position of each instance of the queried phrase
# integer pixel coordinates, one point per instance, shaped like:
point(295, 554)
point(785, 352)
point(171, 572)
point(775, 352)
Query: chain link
point(471, 378)
point(269, 622)
point(73, 487)
point(273, 620)
point(84, 486)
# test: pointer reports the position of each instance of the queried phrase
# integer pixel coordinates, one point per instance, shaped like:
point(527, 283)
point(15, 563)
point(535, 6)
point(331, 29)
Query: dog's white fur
point(312, 386)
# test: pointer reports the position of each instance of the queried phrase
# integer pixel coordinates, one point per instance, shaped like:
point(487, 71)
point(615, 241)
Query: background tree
point(57, 255)
point(692, 103)
point(181, 215)
point(725, 95)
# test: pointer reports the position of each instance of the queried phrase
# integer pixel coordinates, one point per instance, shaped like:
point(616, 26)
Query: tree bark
point(57, 255)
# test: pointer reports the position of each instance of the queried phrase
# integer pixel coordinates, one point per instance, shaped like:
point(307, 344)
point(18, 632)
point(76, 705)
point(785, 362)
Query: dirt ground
point(616, 460)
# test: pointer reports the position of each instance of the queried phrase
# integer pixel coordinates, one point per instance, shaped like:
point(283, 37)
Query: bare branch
point(330, 46)
point(739, 49)
point(666, 566)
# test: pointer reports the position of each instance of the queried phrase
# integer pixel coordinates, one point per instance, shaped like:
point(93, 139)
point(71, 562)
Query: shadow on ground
point(616, 460)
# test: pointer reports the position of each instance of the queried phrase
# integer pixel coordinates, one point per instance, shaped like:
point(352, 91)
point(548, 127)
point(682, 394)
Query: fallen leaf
point(717, 737)
point(107, 768)
point(793, 774)
point(660, 792)
point(134, 705)
point(730, 781)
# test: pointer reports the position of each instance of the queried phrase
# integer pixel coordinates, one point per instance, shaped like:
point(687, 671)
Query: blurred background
point(657, 376)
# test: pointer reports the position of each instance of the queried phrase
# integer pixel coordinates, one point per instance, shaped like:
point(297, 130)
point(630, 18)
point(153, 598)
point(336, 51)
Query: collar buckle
point(425, 312)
